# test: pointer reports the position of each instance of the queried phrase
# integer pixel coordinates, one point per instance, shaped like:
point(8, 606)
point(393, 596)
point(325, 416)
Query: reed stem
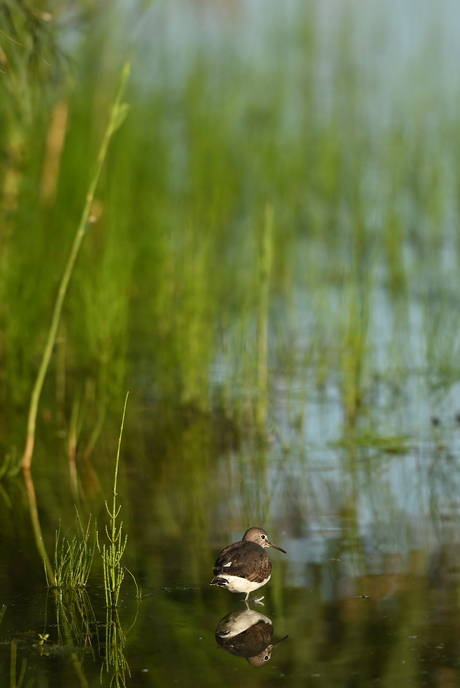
point(113, 552)
point(265, 269)
point(117, 115)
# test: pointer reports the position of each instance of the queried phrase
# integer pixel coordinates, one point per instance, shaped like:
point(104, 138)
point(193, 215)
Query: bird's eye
point(266, 658)
point(263, 537)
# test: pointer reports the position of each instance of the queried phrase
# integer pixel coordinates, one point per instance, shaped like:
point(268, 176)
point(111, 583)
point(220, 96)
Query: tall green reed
point(266, 243)
point(171, 287)
point(117, 115)
point(113, 552)
point(73, 557)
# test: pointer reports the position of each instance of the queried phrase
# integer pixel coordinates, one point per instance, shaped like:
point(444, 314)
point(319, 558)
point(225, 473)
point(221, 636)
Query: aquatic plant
point(112, 552)
point(17, 681)
point(73, 556)
point(117, 115)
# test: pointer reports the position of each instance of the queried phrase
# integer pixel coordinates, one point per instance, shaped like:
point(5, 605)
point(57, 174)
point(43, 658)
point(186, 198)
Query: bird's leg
point(258, 600)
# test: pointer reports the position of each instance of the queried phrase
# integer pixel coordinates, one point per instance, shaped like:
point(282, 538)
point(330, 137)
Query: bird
point(245, 566)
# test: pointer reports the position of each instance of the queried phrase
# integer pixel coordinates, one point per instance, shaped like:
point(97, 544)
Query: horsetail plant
point(73, 557)
point(113, 552)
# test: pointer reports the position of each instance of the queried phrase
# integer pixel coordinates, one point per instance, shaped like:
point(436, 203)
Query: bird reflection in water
point(248, 634)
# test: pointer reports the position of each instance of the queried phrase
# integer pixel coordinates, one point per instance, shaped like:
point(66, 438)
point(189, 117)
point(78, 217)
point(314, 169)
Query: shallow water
point(387, 617)
point(366, 593)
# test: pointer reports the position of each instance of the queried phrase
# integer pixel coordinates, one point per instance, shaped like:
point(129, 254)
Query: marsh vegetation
point(269, 263)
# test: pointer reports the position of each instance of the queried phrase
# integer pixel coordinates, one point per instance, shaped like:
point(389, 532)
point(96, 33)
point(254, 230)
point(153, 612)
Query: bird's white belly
point(237, 584)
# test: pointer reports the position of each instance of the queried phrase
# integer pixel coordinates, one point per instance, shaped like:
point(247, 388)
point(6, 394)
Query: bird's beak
point(270, 544)
point(272, 647)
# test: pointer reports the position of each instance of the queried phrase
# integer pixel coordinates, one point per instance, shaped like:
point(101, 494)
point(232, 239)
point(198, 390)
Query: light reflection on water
point(403, 625)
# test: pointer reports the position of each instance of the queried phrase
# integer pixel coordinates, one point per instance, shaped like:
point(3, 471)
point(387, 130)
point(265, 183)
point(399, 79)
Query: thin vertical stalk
point(117, 115)
point(113, 553)
point(37, 527)
point(265, 268)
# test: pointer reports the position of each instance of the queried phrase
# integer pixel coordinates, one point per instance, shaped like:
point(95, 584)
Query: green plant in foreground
point(113, 577)
point(73, 557)
point(113, 552)
point(117, 116)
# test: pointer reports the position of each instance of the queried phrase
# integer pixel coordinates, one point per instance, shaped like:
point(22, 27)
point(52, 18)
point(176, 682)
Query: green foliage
point(223, 317)
point(168, 290)
point(73, 557)
point(326, 325)
point(112, 553)
point(31, 57)
point(117, 114)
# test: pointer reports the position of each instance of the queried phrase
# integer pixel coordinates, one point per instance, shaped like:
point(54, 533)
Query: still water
point(366, 594)
point(362, 617)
